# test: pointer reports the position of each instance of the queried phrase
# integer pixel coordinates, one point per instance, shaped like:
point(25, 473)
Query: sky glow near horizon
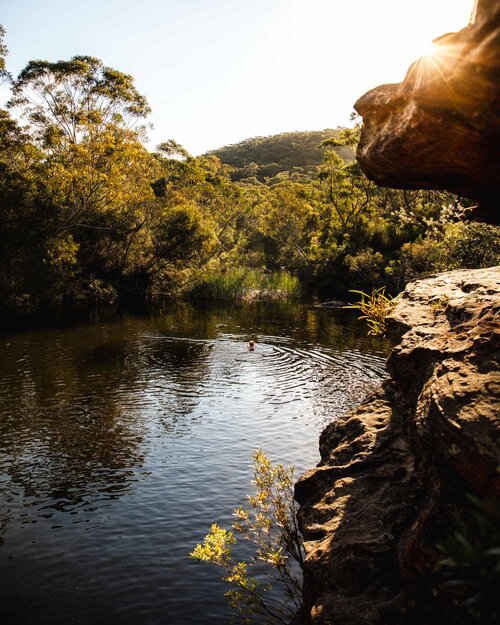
point(219, 71)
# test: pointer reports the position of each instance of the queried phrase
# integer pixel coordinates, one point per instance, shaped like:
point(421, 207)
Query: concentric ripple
point(120, 442)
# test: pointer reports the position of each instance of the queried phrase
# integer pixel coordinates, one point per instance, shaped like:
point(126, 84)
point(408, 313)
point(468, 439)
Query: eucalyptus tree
point(84, 116)
point(68, 101)
point(82, 120)
point(347, 189)
point(289, 217)
point(4, 75)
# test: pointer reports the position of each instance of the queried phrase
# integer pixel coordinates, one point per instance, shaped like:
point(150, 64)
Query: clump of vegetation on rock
point(374, 309)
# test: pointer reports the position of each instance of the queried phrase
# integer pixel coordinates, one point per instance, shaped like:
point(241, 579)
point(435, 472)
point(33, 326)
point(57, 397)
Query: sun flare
point(429, 50)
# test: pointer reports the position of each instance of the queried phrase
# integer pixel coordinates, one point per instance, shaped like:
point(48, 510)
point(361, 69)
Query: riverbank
point(239, 286)
point(244, 284)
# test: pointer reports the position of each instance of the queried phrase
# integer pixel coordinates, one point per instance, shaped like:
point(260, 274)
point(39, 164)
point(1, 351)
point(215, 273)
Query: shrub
point(374, 308)
point(365, 268)
point(416, 259)
point(270, 524)
point(472, 245)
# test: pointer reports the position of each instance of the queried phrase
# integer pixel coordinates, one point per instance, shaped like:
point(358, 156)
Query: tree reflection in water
point(70, 426)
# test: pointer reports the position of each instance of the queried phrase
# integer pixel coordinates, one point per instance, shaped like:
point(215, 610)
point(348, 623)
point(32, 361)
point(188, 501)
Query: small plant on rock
point(270, 524)
point(375, 308)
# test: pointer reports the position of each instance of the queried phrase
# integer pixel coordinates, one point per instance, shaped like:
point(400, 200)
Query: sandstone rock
point(386, 469)
point(440, 127)
point(351, 517)
point(448, 364)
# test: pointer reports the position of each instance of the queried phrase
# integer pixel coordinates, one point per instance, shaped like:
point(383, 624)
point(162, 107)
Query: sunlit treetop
point(172, 149)
point(3, 53)
point(76, 97)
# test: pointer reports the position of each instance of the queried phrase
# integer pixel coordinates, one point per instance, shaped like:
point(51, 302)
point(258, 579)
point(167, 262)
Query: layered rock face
point(391, 469)
point(440, 127)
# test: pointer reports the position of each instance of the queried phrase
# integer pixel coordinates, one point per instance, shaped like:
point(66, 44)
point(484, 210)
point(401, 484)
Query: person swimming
point(251, 346)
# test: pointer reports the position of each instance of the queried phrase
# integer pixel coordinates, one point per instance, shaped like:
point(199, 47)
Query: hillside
point(264, 157)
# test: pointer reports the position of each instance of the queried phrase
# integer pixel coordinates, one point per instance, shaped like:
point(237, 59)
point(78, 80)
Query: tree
point(290, 217)
point(70, 101)
point(4, 74)
point(172, 150)
point(81, 114)
point(347, 189)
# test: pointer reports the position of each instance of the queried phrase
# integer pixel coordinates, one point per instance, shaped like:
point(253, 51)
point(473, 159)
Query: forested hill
point(264, 157)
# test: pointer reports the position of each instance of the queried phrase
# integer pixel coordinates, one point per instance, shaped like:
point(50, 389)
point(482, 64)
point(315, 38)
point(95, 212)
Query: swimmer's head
point(251, 344)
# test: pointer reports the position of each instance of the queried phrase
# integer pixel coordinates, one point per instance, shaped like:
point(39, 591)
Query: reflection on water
point(121, 441)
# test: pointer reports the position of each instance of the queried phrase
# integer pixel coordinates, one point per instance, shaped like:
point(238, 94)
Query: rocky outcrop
point(440, 127)
point(392, 471)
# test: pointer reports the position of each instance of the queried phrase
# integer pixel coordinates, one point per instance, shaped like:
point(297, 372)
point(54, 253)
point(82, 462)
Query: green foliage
point(70, 100)
point(470, 569)
point(457, 245)
point(84, 202)
point(347, 189)
point(288, 216)
point(374, 310)
point(471, 245)
point(270, 524)
point(180, 235)
point(418, 258)
point(4, 75)
point(100, 292)
point(365, 267)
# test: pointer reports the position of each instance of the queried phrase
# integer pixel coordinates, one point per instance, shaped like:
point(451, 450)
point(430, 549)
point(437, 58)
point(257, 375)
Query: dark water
point(120, 442)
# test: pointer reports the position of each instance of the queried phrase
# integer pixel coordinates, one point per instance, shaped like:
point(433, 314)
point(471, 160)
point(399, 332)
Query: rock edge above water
point(389, 468)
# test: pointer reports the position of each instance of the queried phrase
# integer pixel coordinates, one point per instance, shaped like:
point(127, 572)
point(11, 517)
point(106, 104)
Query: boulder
point(440, 127)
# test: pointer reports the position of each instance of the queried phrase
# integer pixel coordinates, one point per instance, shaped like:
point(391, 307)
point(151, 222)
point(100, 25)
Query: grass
point(245, 284)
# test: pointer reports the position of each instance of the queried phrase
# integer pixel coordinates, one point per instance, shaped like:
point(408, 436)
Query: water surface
point(121, 441)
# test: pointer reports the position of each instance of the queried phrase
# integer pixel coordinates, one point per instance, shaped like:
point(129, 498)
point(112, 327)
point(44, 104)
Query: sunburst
point(434, 64)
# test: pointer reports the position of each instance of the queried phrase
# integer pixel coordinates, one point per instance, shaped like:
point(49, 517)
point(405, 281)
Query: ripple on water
point(121, 442)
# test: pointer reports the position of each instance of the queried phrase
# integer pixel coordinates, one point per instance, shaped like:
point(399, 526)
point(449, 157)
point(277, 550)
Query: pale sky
point(220, 71)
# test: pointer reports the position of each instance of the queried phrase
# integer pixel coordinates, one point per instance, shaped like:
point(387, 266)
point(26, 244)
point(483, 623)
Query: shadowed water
point(121, 441)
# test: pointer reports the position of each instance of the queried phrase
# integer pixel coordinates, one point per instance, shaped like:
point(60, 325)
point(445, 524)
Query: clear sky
point(219, 71)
